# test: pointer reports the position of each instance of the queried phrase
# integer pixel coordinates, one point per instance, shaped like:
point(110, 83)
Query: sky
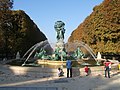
point(45, 13)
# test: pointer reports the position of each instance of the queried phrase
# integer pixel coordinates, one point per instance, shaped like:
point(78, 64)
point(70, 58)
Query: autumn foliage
point(23, 34)
point(101, 29)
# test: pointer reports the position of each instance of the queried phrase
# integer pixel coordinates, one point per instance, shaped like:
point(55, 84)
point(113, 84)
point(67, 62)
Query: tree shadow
point(15, 75)
point(117, 73)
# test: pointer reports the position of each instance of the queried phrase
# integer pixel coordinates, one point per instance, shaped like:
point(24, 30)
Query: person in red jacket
point(107, 63)
point(86, 70)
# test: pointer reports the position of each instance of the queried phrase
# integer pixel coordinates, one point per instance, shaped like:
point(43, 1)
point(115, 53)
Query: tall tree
point(5, 22)
point(101, 29)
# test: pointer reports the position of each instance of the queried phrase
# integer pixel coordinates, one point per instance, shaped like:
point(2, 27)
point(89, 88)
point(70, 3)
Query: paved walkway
point(28, 88)
point(11, 81)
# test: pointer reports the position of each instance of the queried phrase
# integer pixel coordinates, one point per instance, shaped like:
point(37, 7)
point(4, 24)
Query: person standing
point(107, 63)
point(69, 68)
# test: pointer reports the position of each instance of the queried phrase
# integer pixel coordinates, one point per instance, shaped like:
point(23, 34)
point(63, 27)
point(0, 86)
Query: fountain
point(42, 55)
point(61, 51)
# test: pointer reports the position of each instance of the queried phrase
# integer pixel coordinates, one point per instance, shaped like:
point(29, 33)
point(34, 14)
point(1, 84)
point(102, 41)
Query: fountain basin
point(59, 63)
point(55, 64)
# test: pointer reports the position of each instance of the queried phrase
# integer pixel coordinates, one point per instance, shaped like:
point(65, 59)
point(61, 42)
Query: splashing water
point(43, 44)
point(82, 44)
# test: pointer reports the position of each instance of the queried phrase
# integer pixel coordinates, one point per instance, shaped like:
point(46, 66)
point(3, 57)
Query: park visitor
point(107, 68)
point(69, 68)
point(87, 70)
point(60, 72)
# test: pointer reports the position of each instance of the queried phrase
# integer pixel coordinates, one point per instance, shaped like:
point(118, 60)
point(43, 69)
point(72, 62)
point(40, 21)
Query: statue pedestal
point(60, 44)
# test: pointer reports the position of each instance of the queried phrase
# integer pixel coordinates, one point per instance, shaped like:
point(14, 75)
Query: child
point(60, 72)
point(86, 70)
